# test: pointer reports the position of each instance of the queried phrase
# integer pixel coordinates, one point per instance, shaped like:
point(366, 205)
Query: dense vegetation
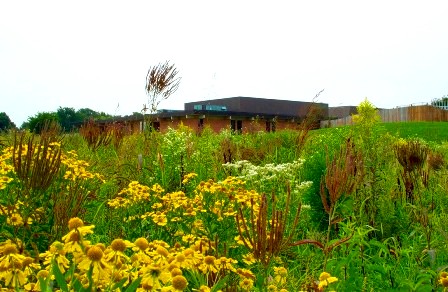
point(351, 209)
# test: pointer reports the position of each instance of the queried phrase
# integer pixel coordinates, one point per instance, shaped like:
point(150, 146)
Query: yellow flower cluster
point(135, 194)
point(76, 168)
point(15, 217)
point(188, 177)
point(5, 168)
point(159, 266)
point(15, 268)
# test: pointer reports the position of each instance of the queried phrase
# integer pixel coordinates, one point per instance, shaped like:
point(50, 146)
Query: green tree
point(68, 118)
point(443, 101)
point(36, 123)
point(5, 122)
point(85, 114)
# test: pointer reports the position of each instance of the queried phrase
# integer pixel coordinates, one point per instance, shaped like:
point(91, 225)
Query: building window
point(236, 126)
point(155, 126)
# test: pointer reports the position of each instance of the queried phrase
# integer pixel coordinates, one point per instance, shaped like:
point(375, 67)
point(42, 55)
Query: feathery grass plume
point(36, 162)
point(310, 122)
point(118, 132)
point(342, 176)
point(94, 135)
point(161, 82)
point(411, 155)
point(436, 161)
point(267, 237)
point(228, 150)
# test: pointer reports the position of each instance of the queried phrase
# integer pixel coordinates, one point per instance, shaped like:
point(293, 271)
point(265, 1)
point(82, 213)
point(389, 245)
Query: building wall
point(218, 124)
point(341, 111)
point(176, 122)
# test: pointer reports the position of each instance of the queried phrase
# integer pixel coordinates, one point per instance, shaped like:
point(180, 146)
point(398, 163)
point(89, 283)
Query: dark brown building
point(240, 114)
point(341, 111)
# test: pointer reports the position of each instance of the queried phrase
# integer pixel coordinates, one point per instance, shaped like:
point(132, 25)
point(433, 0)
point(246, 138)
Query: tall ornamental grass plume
point(36, 161)
point(96, 136)
point(412, 156)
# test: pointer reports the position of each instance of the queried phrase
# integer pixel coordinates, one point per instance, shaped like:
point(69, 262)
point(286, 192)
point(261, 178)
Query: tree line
point(68, 118)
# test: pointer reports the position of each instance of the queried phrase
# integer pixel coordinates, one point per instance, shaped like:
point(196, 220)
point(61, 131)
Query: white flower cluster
point(269, 176)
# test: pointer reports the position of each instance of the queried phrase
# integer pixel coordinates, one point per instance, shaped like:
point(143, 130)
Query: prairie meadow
point(357, 208)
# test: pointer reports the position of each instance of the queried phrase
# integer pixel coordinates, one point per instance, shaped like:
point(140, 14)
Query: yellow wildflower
point(325, 279)
point(208, 265)
point(14, 219)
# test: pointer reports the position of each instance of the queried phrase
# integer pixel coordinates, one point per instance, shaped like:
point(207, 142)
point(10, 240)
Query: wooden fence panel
point(419, 113)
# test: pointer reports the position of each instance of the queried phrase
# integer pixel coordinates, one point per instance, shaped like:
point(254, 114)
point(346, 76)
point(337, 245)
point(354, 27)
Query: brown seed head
point(188, 252)
point(180, 258)
point(176, 272)
point(118, 245)
point(162, 251)
point(75, 237)
point(209, 260)
point(10, 249)
point(179, 282)
point(75, 223)
point(27, 261)
point(43, 274)
point(95, 253)
point(101, 245)
point(444, 282)
point(141, 243)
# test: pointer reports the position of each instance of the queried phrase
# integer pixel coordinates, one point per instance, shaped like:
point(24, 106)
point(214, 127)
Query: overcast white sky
point(95, 54)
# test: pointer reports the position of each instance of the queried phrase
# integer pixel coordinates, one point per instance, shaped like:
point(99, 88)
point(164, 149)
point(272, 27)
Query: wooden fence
point(419, 113)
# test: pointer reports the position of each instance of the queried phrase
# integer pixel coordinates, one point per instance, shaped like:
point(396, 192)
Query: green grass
point(429, 131)
point(436, 132)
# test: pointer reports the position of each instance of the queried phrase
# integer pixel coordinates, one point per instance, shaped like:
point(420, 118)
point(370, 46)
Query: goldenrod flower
point(280, 274)
point(160, 219)
point(204, 288)
point(188, 177)
point(14, 219)
point(325, 279)
point(208, 265)
point(76, 225)
point(15, 277)
point(154, 275)
point(443, 279)
point(94, 259)
point(246, 284)
point(249, 258)
point(189, 238)
point(226, 264)
point(75, 244)
point(245, 273)
point(10, 256)
point(56, 252)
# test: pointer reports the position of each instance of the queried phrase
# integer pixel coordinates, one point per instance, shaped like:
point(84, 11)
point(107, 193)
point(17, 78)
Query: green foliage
point(443, 101)
point(373, 239)
point(431, 132)
point(5, 122)
point(37, 123)
point(68, 118)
